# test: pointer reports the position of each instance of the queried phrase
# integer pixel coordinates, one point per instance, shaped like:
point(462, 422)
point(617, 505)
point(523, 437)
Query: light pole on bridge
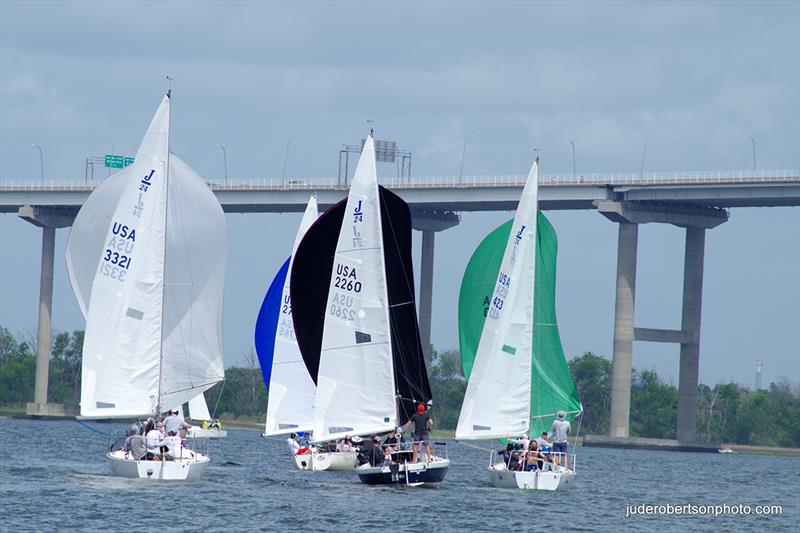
point(41, 160)
point(286, 156)
point(572, 144)
point(644, 151)
point(463, 153)
point(224, 161)
point(753, 141)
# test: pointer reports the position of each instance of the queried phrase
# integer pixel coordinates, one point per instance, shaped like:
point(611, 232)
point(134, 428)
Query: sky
point(489, 80)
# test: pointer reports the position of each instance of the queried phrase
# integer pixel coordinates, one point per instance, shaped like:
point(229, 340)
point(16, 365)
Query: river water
point(54, 477)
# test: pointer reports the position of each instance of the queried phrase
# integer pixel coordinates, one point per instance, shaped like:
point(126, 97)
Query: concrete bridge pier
point(621, 364)
point(48, 219)
point(429, 222)
point(696, 220)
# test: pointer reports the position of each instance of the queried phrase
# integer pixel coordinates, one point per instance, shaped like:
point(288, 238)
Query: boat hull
point(414, 474)
point(533, 480)
point(183, 470)
point(200, 433)
point(327, 461)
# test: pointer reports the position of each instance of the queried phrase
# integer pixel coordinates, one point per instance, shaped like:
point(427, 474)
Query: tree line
point(726, 412)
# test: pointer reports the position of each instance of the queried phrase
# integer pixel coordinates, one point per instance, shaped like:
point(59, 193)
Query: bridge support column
point(429, 222)
point(690, 324)
point(627, 247)
point(48, 220)
point(696, 220)
point(426, 291)
point(44, 332)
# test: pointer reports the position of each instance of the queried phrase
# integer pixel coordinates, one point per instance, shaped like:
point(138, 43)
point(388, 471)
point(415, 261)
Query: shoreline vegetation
point(729, 414)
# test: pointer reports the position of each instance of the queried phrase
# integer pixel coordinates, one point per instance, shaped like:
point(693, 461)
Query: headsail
point(198, 408)
point(291, 390)
point(502, 366)
point(116, 253)
point(355, 381)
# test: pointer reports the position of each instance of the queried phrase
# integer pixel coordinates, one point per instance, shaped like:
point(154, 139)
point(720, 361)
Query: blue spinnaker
point(267, 322)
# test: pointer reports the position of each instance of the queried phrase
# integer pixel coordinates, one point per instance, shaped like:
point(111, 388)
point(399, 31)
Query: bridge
point(695, 201)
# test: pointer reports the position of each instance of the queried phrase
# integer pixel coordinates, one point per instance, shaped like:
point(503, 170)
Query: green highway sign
point(117, 161)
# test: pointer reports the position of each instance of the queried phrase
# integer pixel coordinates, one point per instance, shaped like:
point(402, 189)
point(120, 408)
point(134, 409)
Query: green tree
point(447, 387)
point(65, 368)
point(592, 376)
point(654, 406)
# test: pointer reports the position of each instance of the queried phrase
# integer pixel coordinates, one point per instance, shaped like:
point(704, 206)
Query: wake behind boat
point(518, 380)
point(146, 259)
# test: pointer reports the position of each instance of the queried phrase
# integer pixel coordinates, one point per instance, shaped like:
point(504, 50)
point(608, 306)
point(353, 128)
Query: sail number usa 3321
point(117, 258)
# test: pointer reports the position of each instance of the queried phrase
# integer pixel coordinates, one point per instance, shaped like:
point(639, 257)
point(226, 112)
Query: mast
point(164, 256)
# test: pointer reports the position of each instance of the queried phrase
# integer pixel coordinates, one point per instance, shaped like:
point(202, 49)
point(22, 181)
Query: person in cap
point(559, 431)
point(176, 423)
point(422, 423)
point(293, 444)
point(345, 444)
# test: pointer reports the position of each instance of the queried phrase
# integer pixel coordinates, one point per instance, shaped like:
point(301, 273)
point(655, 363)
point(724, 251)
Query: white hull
point(200, 433)
point(183, 470)
point(327, 461)
point(533, 480)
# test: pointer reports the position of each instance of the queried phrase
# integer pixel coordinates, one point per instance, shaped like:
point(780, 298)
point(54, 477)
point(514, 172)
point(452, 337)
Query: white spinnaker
point(122, 344)
point(498, 396)
point(291, 389)
point(198, 408)
point(355, 382)
point(197, 252)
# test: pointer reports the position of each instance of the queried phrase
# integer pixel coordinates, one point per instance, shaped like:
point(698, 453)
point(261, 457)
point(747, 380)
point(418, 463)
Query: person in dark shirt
point(371, 452)
point(422, 425)
point(393, 441)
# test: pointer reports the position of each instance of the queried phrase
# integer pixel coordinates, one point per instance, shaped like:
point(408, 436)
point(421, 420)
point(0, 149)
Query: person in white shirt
point(292, 443)
point(174, 445)
point(544, 444)
point(153, 438)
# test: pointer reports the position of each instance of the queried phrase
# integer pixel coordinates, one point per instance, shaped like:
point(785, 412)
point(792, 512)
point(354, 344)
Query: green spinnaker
point(552, 388)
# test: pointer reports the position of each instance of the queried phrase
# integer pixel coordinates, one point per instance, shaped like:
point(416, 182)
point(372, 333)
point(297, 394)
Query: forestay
point(291, 389)
point(497, 400)
point(355, 382)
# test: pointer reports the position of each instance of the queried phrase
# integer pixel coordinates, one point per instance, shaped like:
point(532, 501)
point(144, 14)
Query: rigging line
point(82, 423)
point(214, 412)
point(473, 446)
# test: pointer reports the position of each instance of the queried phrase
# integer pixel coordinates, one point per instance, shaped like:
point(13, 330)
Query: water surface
point(54, 477)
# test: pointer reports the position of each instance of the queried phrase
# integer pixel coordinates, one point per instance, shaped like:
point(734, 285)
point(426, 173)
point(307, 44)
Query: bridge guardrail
point(466, 182)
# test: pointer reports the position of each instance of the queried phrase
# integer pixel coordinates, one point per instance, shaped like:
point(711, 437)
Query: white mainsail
point(355, 382)
point(498, 397)
point(291, 389)
point(153, 304)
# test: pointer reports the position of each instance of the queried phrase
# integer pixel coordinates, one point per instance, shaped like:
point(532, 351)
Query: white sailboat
point(507, 364)
point(368, 363)
point(146, 259)
point(203, 428)
point(291, 389)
